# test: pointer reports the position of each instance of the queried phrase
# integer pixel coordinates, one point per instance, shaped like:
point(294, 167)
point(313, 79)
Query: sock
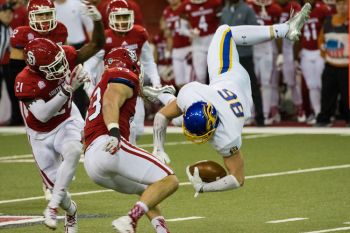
point(280, 30)
point(138, 211)
point(67, 205)
point(159, 224)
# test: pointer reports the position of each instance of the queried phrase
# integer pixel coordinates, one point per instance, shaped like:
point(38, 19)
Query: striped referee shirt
point(5, 32)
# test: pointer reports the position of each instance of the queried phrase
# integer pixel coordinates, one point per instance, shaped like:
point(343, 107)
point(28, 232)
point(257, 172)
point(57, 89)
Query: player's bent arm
point(150, 67)
point(16, 54)
point(160, 124)
point(114, 97)
point(44, 111)
point(233, 180)
point(95, 44)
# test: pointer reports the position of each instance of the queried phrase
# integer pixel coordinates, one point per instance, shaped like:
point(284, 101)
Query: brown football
point(209, 171)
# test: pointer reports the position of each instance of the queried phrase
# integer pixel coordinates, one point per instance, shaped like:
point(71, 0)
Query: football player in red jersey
point(288, 65)
point(44, 88)
point(264, 55)
point(124, 33)
point(203, 18)
point(311, 62)
point(180, 43)
point(110, 160)
point(38, 10)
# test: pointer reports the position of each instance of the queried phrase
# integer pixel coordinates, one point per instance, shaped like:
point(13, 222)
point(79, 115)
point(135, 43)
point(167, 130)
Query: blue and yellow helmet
point(200, 122)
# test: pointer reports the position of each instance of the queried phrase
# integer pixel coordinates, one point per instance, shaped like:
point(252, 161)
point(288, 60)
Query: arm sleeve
point(44, 111)
point(159, 131)
point(150, 67)
point(226, 183)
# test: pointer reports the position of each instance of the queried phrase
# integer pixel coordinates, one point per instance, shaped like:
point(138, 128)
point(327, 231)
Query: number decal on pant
point(96, 104)
point(232, 100)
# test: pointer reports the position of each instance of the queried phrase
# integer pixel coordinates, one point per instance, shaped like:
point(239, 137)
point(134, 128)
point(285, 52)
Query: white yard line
point(286, 220)
point(250, 130)
point(330, 230)
point(188, 183)
point(183, 219)
point(16, 157)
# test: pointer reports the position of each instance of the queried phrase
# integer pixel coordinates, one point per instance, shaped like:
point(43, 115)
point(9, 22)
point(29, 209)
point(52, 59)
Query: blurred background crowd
point(305, 83)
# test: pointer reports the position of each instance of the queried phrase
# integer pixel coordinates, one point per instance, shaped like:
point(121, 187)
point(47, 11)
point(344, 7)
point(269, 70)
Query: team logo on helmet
point(30, 58)
point(132, 55)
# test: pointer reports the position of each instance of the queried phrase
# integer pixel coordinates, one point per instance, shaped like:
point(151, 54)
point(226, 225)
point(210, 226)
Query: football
point(209, 171)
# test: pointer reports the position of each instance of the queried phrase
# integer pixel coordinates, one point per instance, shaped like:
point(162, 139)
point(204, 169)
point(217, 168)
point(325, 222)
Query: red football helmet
point(42, 15)
point(262, 2)
point(46, 57)
point(121, 17)
point(125, 58)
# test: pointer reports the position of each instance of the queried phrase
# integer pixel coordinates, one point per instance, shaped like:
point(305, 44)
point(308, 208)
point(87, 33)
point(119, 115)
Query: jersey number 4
point(232, 100)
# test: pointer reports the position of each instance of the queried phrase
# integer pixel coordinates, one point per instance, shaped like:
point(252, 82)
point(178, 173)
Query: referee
point(6, 15)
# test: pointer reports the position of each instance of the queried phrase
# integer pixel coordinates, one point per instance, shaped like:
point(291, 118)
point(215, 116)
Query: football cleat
point(151, 93)
point(50, 215)
point(71, 221)
point(297, 21)
point(124, 225)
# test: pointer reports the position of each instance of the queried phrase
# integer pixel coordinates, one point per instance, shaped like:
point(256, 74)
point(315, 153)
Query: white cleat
point(71, 221)
point(50, 215)
point(152, 93)
point(297, 21)
point(124, 225)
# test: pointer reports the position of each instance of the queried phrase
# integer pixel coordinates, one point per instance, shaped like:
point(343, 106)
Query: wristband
point(113, 129)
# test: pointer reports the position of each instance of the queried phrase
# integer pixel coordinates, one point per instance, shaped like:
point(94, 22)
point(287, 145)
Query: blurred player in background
point(311, 62)
point(180, 44)
point(267, 13)
point(204, 20)
point(53, 124)
point(288, 64)
point(110, 160)
point(217, 112)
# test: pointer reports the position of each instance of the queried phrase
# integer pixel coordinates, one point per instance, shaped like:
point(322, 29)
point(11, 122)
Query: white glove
point(91, 11)
point(76, 79)
point(279, 61)
point(113, 145)
point(195, 180)
point(161, 155)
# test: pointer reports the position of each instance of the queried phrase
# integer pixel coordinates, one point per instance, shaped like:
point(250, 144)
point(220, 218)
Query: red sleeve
point(25, 86)
point(296, 6)
point(19, 37)
point(71, 55)
point(181, 10)
point(59, 34)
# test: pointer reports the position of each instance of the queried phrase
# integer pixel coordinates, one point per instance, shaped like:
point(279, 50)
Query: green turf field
point(316, 189)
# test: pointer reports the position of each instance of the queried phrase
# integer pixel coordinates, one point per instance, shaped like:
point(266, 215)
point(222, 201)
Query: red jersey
point(22, 35)
point(173, 22)
point(286, 10)
point(32, 85)
point(94, 124)
point(20, 17)
point(133, 39)
point(270, 16)
point(312, 27)
point(201, 16)
point(161, 46)
point(103, 9)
